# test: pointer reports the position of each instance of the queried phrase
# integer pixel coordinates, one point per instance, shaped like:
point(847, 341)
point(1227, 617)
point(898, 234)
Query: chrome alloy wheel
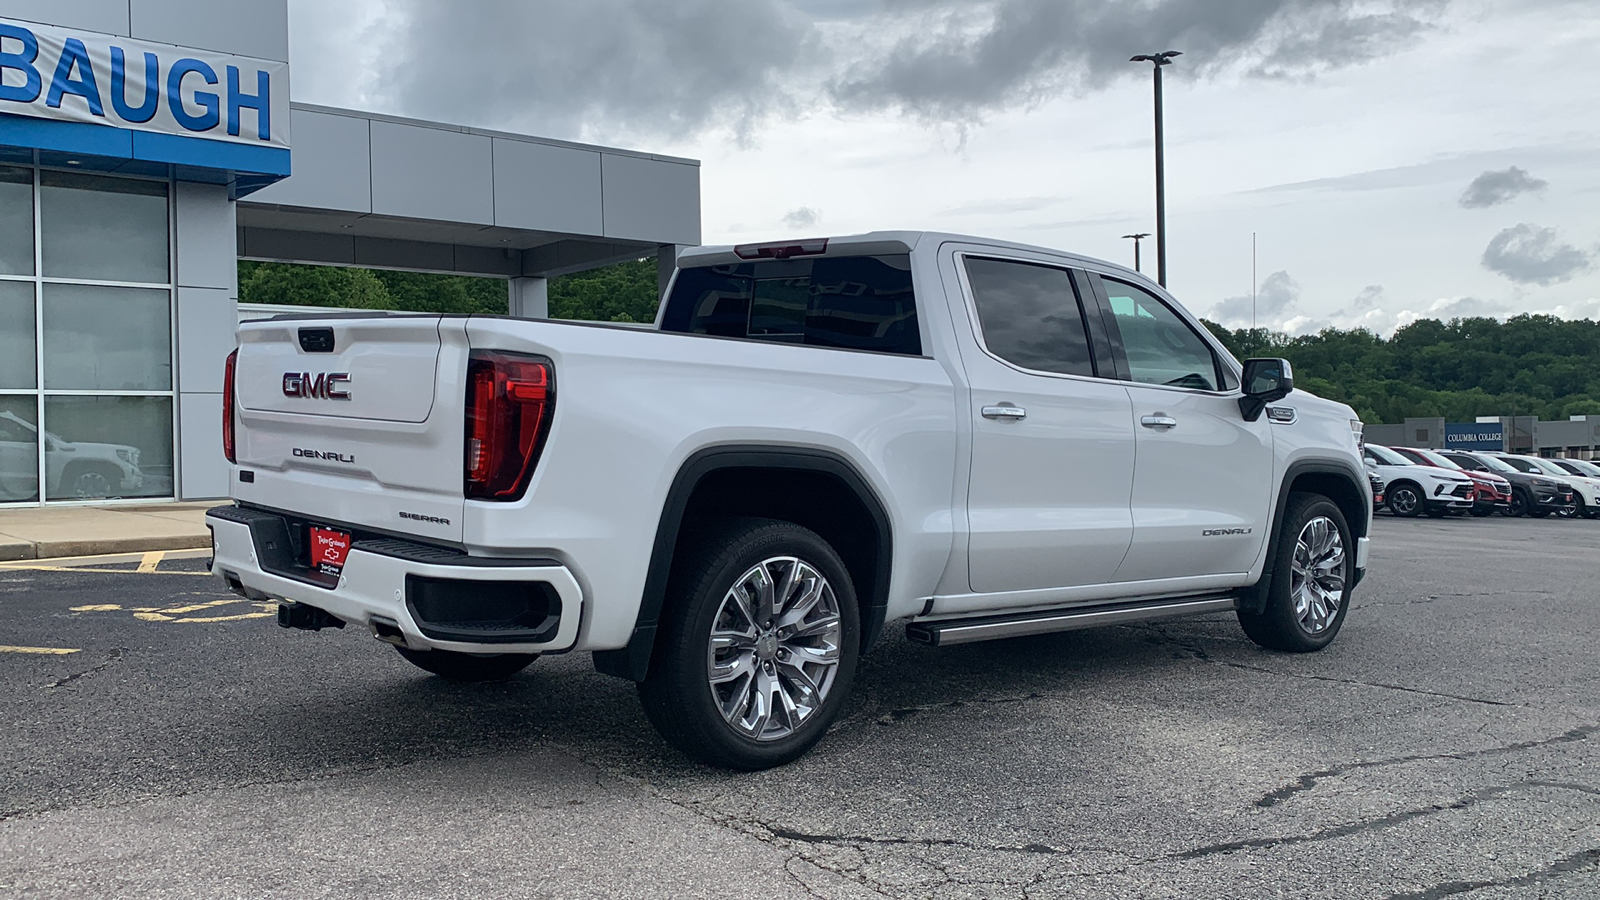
point(1317, 581)
point(774, 648)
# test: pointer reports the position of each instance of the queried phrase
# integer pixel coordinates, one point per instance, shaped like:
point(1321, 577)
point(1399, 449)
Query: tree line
point(625, 292)
point(1527, 365)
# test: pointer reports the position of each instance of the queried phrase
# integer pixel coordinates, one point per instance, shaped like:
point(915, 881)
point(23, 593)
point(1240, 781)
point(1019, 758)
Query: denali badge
point(324, 385)
point(418, 517)
point(321, 454)
point(1219, 532)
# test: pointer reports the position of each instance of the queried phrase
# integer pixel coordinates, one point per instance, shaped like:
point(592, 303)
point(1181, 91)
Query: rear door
point(355, 420)
point(1203, 483)
point(1052, 443)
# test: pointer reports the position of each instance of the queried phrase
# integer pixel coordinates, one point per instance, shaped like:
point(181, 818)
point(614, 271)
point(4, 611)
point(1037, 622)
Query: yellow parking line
point(52, 651)
point(151, 560)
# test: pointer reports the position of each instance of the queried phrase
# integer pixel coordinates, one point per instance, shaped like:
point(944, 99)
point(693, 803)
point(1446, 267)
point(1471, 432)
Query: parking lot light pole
point(1136, 238)
point(1158, 60)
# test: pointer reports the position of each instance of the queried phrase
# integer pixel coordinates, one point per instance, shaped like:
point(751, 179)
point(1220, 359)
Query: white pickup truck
point(980, 438)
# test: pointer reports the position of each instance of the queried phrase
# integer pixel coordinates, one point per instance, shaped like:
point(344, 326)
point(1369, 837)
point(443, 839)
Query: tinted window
point(1161, 347)
point(1030, 316)
point(1521, 465)
point(858, 302)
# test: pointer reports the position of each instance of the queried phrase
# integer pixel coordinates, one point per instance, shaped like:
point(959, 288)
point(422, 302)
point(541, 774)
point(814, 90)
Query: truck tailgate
point(354, 420)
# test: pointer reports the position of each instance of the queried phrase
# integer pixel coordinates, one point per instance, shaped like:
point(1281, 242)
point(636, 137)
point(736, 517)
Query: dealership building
point(1576, 438)
point(146, 146)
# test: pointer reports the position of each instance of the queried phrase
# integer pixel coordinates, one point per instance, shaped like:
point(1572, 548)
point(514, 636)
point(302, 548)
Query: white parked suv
point(981, 439)
point(1413, 489)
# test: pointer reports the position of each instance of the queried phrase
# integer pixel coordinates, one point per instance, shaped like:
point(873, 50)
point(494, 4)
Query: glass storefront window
point(106, 447)
point(107, 338)
point(16, 221)
point(86, 370)
point(103, 229)
point(19, 449)
point(17, 357)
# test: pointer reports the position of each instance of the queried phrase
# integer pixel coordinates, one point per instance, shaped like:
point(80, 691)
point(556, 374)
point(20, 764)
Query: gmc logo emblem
point(324, 385)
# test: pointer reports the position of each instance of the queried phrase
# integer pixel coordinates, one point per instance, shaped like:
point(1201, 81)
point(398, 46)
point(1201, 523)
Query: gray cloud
point(647, 68)
point(596, 67)
point(1273, 303)
point(1495, 188)
point(804, 217)
point(1530, 254)
point(957, 61)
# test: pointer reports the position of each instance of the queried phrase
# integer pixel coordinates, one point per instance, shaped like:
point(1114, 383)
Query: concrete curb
point(14, 550)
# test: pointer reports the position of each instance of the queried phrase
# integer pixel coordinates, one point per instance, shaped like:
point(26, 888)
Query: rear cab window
point(852, 302)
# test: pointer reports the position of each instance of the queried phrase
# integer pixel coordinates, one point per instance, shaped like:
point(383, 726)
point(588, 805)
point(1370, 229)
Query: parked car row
point(1417, 481)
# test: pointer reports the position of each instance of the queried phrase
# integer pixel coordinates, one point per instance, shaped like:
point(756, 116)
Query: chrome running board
point(988, 628)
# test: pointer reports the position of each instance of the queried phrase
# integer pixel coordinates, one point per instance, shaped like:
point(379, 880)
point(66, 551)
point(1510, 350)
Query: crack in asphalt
point(1484, 796)
point(1373, 684)
point(1309, 780)
point(905, 712)
point(1157, 635)
point(112, 657)
point(853, 840)
point(1568, 865)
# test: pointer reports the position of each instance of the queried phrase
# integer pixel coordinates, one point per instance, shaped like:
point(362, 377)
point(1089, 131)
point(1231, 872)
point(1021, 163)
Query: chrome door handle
point(1004, 412)
point(1158, 421)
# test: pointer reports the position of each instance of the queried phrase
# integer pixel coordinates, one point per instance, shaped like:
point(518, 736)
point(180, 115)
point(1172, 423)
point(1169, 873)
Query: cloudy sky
point(1394, 158)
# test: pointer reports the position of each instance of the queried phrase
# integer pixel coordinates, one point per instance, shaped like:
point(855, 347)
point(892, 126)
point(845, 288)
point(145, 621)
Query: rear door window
point(1030, 315)
point(853, 302)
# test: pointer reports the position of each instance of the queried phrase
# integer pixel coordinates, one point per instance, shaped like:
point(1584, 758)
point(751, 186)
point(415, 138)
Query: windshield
point(1549, 468)
point(1580, 467)
point(1383, 456)
point(1436, 458)
point(1522, 464)
point(1496, 464)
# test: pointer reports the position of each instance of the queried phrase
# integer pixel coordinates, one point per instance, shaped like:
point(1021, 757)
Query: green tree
point(624, 292)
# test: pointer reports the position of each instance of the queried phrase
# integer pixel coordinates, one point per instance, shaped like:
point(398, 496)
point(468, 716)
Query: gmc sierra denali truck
point(980, 438)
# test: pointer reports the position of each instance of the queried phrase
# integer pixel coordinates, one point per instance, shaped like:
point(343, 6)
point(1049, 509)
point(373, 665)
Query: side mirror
point(1265, 381)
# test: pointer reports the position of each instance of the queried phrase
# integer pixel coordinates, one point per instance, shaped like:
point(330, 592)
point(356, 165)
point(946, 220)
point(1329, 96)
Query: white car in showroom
point(1414, 489)
point(1585, 487)
point(73, 471)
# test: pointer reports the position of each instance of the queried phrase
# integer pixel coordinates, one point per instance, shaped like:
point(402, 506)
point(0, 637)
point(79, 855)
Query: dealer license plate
point(329, 549)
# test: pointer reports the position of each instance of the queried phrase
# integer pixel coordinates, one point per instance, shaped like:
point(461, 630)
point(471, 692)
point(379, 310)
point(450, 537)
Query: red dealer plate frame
point(329, 550)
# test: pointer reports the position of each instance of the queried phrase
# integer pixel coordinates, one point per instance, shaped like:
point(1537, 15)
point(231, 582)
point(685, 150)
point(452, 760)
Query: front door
point(1052, 443)
point(1202, 487)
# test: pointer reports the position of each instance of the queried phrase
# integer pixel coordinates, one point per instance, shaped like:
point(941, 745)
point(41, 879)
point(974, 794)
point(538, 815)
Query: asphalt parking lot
point(1447, 745)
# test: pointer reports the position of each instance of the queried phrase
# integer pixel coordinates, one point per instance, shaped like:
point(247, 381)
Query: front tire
point(1437, 510)
point(757, 645)
point(1310, 590)
point(1521, 505)
point(1405, 499)
point(453, 666)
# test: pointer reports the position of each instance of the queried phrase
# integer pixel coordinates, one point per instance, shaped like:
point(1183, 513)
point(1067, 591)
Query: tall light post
point(1158, 60)
point(1136, 238)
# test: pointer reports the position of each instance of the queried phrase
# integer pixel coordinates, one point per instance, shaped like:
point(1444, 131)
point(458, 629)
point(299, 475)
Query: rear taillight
point(227, 406)
point(510, 400)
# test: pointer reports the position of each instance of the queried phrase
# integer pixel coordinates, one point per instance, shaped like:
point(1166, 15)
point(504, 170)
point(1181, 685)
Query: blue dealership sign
point(1475, 436)
point(77, 91)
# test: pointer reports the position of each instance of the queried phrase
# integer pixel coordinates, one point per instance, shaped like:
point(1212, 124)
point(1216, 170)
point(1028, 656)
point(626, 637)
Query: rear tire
point(1314, 564)
point(454, 666)
point(1406, 499)
point(757, 645)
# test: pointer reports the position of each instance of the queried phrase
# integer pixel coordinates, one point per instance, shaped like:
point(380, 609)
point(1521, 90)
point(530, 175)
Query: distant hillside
point(1527, 366)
